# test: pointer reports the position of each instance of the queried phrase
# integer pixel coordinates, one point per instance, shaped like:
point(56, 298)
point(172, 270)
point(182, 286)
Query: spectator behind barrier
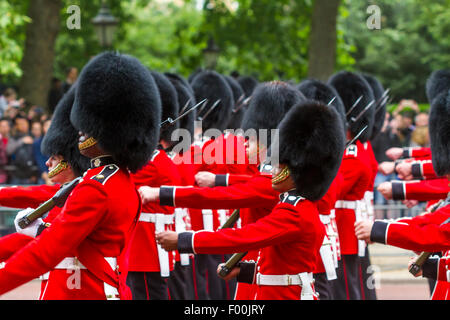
point(20, 151)
point(38, 134)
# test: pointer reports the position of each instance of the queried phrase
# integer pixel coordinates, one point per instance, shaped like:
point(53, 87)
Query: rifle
point(231, 263)
point(209, 111)
point(354, 119)
point(353, 106)
point(231, 220)
point(170, 120)
point(356, 137)
point(417, 266)
point(236, 257)
point(57, 200)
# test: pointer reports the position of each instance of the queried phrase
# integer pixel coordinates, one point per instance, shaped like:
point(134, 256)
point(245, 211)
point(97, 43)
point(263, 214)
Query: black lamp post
point(105, 25)
point(211, 54)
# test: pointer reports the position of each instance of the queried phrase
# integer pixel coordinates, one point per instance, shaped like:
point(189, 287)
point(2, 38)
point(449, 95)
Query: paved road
point(395, 281)
point(413, 290)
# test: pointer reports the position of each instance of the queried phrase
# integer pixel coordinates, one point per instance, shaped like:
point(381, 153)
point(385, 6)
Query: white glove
point(32, 229)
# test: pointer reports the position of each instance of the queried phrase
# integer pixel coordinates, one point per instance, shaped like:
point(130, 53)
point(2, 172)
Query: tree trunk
point(322, 39)
point(37, 62)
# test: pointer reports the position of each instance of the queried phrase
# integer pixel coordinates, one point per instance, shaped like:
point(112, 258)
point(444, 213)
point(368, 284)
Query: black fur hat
point(269, 104)
point(212, 86)
point(239, 97)
point(437, 82)
point(380, 115)
point(350, 86)
point(248, 84)
point(169, 105)
point(117, 103)
point(194, 73)
point(175, 76)
point(62, 138)
point(439, 127)
point(311, 144)
point(317, 90)
point(185, 96)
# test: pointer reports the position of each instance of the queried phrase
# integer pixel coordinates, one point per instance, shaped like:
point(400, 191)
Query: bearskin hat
point(380, 112)
point(311, 144)
point(175, 76)
point(169, 105)
point(212, 86)
point(350, 87)
point(62, 138)
point(248, 84)
point(195, 73)
point(316, 90)
point(269, 104)
point(439, 127)
point(117, 103)
point(186, 101)
point(239, 96)
point(438, 82)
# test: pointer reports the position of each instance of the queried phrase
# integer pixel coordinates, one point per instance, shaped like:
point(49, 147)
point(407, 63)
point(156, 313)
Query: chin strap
point(87, 144)
point(283, 175)
point(62, 165)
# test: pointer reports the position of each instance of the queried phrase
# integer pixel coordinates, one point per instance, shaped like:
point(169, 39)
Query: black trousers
point(369, 291)
point(147, 286)
point(347, 286)
point(208, 284)
point(178, 284)
point(230, 284)
point(200, 276)
point(323, 286)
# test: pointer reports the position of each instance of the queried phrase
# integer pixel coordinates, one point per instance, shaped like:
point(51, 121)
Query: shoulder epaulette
point(107, 172)
point(291, 199)
point(266, 168)
point(155, 153)
point(352, 150)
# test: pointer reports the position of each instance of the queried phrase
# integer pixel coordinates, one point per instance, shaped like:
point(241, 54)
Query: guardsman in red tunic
point(181, 281)
point(368, 292)
point(429, 232)
point(357, 96)
point(254, 195)
point(150, 265)
point(117, 112)
point(325, 273)
point(419, 164)
point(206, 154)
point(289, 238)
point(65, 164)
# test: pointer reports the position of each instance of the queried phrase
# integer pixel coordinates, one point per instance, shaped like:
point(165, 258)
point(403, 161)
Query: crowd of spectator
point(22, 128)
point(404, 126)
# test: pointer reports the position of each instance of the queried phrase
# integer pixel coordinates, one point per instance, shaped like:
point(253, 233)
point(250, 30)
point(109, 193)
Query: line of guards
point(143, 219)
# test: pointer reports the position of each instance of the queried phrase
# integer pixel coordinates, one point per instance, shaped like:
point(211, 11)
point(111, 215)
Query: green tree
point(74, 47)
point(12, 18)
point(37, 61)
point(164, 36)
point(410, 45)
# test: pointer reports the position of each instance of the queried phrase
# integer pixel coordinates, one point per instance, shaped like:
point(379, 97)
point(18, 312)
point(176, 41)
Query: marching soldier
point(294, 225)
point(254, 195)
point(117, 112)
point(149, 265)
point(357, 97)
point(428, 232)
point(181, 281)
point(326, 268)
point(65, 164)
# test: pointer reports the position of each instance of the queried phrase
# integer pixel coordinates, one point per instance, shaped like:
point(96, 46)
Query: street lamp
point(211, 53)
point(105, 25)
